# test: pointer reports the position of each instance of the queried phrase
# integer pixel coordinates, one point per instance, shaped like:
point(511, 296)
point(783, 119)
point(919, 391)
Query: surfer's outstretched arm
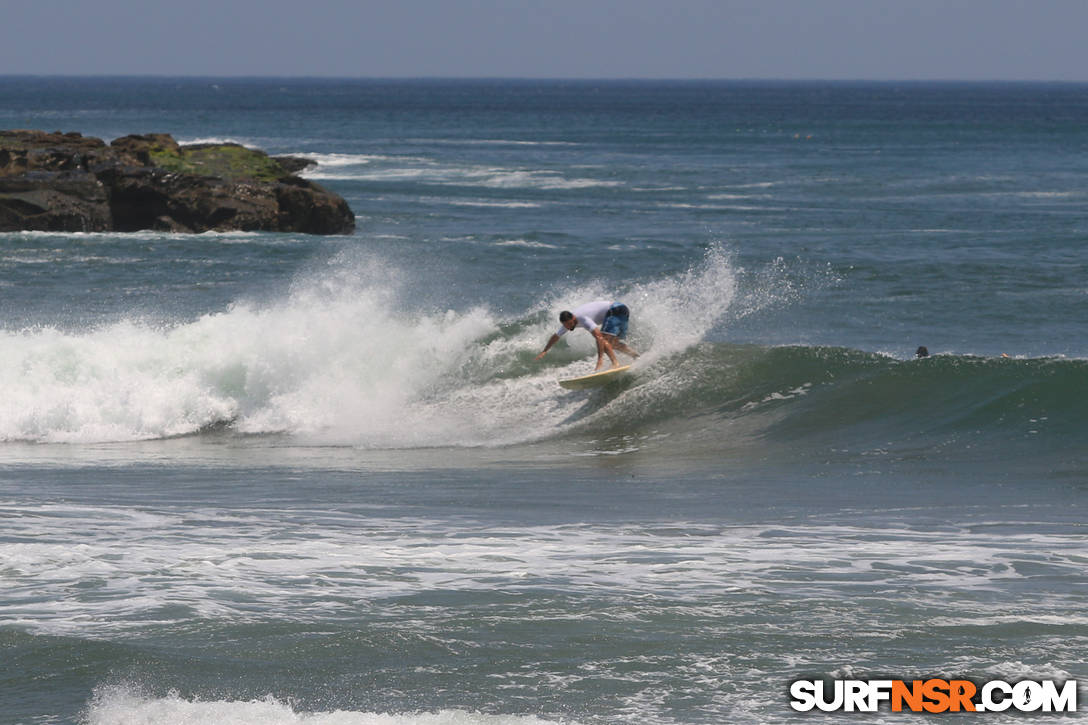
point(551, 341)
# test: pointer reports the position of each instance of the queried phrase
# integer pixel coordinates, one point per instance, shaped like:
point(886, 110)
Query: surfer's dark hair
point(565, 315)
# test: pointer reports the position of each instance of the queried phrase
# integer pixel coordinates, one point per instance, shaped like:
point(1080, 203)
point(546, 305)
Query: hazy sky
point(832, 39)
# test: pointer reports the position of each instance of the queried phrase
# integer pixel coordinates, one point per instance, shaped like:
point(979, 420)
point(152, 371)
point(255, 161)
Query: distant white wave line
point(127, 705)
point(483, 203)
point(732, 197)
point(487, 142)
point(341, 160)
point(496, 204)
point(315, 174)
point(714, 207)
point(428, 171)
point(755, 185)
point(1036, 194)
point(525, 243)
point(48, 256)
point(217, 140)
point(1055, 194)
point(142, 234)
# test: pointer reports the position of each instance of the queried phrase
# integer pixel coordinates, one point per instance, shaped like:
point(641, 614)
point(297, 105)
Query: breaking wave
point(345, 359)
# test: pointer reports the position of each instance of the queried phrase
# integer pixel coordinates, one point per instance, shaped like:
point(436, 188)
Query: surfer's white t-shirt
point(590, 316)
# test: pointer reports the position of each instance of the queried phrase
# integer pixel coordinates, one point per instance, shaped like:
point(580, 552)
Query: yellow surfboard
point(594, 379)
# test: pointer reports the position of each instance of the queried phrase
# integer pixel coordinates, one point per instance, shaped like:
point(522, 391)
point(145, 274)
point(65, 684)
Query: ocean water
point(272, 478)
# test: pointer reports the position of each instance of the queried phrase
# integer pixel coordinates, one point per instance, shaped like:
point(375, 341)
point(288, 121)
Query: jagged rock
point(68, 201)
point(139, 196)
point(305, 204)
point(294, 164)
point(138, 149)
point(68, 182)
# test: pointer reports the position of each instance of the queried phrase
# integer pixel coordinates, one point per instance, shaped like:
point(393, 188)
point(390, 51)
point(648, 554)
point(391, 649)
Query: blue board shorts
point(615, 322)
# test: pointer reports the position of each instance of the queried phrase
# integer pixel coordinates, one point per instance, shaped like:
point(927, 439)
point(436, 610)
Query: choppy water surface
point(271, 478)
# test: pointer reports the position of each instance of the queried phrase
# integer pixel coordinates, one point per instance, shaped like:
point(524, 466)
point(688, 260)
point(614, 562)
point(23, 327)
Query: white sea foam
point(525, 243)
point(344, 357)
point(757, 185)
point(486, 142)
point(128, 568)
point(1016, 671)
point(340, 351)
point(126, 705)
point(343, 160)
point(142, 234)
point(511, 142)
point(216, 140)
point(428, 171)
point(493, 204)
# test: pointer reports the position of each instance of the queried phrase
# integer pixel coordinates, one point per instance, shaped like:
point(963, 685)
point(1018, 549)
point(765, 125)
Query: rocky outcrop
point(68, 182)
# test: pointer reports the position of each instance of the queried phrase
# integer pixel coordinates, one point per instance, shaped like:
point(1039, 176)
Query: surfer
point(606, 321)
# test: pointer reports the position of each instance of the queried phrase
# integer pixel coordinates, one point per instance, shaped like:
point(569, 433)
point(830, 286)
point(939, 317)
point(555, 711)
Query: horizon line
point(564, 79)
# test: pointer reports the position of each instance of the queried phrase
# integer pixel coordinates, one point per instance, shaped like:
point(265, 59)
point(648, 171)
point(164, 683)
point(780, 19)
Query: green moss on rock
point(226, 161)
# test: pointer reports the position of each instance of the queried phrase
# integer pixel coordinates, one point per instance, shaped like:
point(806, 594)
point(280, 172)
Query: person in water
point(606, 321)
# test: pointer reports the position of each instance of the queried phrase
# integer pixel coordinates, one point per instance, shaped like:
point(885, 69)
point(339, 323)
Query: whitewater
point(343, 357)
point(274, 478)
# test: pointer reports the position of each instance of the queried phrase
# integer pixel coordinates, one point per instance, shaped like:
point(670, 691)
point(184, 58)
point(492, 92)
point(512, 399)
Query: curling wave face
point(347, 357)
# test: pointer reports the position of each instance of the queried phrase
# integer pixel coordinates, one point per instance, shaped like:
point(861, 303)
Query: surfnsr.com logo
point(933, 695)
